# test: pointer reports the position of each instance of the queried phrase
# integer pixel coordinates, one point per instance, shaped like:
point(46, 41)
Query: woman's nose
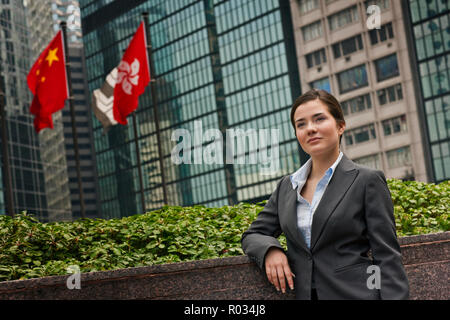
point(310, 127)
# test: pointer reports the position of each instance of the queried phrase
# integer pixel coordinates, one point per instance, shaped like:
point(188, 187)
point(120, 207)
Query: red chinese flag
point(47, 80)
point(133, 76)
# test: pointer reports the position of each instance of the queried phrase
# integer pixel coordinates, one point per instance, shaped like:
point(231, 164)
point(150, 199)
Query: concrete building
point(370, 72)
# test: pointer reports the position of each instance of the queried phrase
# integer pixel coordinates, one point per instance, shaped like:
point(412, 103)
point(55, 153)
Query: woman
point(333, 212)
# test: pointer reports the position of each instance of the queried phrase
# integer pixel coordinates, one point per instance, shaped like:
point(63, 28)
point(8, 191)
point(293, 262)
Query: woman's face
point(316, 129)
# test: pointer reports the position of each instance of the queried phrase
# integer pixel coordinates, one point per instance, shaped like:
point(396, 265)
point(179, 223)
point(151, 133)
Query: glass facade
point(430, 29)
point(223, 65)
point(51, 141)
point(24, 151)
point(68, 11)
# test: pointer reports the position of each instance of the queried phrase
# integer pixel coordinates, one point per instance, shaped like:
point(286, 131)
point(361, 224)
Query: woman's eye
point(321, 118)
point(300, 125)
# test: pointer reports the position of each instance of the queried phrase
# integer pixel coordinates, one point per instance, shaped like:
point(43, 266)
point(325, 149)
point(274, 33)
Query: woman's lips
point(313, 140)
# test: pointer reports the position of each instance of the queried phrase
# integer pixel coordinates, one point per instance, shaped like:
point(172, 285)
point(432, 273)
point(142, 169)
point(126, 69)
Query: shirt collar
point(299, 177)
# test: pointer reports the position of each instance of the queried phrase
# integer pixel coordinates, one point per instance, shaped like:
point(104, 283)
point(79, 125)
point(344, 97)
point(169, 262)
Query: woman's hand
point(278, 270)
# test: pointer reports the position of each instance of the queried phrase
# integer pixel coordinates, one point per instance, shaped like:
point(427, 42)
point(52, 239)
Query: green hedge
point(31, 249)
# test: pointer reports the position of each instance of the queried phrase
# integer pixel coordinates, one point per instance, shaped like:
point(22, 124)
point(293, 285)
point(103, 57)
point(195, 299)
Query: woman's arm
point(263, 231)
point(260, 244)
point(379, 212)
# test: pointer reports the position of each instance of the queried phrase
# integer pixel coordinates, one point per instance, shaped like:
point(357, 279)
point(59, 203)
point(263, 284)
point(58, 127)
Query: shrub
point(420, 207)
point(172, 234)
point(31, 249)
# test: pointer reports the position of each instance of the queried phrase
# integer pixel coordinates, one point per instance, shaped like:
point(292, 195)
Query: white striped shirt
point(305, 210)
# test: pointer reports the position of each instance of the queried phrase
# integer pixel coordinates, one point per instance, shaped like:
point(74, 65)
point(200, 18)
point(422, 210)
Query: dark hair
point(328, 99)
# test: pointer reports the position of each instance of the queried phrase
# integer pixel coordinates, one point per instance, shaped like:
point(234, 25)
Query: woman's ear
point(341, 127)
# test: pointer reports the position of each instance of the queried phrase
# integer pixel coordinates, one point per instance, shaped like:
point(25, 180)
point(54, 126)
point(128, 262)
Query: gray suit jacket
point(354, 216)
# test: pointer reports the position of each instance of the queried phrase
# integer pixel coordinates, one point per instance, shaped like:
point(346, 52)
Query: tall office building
point(68, 11)
point(40, 23)
point(83, 124)
point(428, 28)
point(44, 19)
point(239, 64)
point(369, 69)
point(29, 184)
point(39, 20)
point(218, 65)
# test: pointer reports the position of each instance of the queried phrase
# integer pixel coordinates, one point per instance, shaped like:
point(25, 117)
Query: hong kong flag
point(47, 80)
point(133, 76)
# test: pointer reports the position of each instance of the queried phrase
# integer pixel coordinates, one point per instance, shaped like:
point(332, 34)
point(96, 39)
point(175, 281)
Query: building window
point(352, 79)
point(316, 58)
point(386, 67)
point(323, 84)
point(432, 37)
point(399, 157)
point(421, 10)
point(382, 34)
point(312, 31)
point(390, 94)
point(372, 161)
point(394, 125)
point(438, 118)
point(308, 5)
point(343, 18)
point(357, 104)
point(359, 135)
point(434, 76)
point(347, 46)
point(440, 153)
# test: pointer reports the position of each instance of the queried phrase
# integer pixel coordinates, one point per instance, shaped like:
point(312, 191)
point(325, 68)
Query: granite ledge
point(136, 272)
point(423, 238)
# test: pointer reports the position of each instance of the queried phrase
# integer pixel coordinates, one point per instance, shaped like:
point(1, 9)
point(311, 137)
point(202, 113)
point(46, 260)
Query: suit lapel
point(342, 179)
point(291, 211)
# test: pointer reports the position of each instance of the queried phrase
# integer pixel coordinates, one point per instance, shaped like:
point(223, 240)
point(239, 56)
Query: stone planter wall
point(426, 259)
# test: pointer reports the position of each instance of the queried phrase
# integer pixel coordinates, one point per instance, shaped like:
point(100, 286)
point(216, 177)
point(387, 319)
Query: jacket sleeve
point(379, 212)
point(263, 232)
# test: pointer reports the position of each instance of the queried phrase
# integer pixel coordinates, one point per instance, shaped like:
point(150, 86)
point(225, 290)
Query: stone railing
point(426, 259)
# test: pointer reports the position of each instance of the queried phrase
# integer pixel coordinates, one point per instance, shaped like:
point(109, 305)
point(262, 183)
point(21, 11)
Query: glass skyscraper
point(218, 64)
point(429, 41)
point(52, 151)
point(24, 148)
